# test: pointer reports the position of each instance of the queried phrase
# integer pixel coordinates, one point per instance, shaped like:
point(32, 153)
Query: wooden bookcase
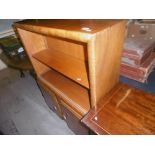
point(77, 60)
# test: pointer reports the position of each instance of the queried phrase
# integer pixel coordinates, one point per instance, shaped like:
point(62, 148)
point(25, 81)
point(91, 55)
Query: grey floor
point(23, 110)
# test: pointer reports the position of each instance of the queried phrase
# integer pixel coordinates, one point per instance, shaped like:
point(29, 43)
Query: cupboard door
point(51, 101)
point(73, 122)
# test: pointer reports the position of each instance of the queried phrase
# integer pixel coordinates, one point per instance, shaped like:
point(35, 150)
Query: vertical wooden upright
point(104, 50)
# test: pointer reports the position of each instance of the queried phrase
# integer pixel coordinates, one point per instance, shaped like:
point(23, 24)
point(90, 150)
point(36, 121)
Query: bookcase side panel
point(105, 51)
point(33, 43)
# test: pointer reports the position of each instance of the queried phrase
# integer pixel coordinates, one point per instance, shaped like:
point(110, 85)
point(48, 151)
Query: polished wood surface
point(73, 122)
point(33, 43)
point(71, 24)
point(58, 100)
point(80, 30)
point(76, 97)
point(124, 110)
point(86, 52)
point(50, 99)
point(72, 48)
point(69, 66)
point(104, 52)
point(70, 107)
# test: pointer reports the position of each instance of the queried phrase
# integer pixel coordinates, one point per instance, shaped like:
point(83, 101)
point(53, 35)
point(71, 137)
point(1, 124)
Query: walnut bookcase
point(76, 60)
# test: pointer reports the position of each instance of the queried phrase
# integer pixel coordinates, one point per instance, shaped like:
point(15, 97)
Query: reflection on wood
point(125, 110)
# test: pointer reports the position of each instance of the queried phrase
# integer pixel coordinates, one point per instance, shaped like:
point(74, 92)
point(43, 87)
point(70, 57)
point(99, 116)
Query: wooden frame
point(90, 50)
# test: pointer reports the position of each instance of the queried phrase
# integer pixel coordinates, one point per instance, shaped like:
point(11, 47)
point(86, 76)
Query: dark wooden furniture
point(19, 64)
point(56, 104)
point(50, 98)
point(124, 110)
point(77, 60)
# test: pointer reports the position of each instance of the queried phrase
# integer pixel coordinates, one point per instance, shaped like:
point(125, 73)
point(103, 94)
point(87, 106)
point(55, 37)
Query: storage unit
point(77, 60)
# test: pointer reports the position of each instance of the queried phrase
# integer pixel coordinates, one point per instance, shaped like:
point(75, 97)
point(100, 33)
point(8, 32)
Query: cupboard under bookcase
point(76, 60)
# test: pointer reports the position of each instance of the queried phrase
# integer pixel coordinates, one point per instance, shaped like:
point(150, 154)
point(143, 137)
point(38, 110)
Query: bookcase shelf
point(71, 67)
point(76, 96)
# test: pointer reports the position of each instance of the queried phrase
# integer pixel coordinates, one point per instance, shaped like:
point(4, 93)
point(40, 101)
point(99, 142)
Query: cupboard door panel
point(51, 101)
point(73, 122)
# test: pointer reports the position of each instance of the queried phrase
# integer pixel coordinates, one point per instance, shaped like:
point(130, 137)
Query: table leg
point(22, 75)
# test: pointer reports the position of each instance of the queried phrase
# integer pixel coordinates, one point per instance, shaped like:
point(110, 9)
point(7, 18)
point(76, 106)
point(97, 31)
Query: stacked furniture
point(76, 61)
point(138, 58)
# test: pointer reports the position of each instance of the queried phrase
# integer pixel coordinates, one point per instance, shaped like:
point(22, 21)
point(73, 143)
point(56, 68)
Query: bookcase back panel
point(72, 68)
point(72, 48)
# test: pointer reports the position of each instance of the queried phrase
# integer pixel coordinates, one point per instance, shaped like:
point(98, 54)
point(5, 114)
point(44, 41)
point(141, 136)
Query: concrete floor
point(23, 110)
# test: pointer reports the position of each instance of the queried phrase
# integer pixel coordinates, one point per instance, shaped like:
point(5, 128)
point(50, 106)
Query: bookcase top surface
point(88, 26)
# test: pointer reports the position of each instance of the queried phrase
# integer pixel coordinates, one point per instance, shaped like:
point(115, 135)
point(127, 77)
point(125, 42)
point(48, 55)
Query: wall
point(5, 30)
point(6, 27)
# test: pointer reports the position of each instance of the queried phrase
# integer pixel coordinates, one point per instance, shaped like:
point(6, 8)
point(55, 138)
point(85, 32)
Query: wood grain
point(70, 47)
point(74, 95)
point(70, 108)
point(124, 110)
point(33, 43)
point(74, 123)
point(75, 69)
point(70, 29)
point(87, 52)
point(104, 51)
point(50, 99)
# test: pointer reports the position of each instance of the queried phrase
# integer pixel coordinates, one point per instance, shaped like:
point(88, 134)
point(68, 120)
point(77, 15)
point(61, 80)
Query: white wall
point(6, 27)
point(6, 24)
point(5, 30)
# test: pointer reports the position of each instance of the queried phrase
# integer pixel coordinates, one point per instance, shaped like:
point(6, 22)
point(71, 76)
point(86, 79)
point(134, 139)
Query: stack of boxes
point(138, 59)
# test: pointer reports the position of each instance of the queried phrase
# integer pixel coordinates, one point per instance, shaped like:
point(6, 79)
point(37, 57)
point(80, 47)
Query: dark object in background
point(14, 56)
point(137, 57)
point(137, 50)
point(12, 47)
point(139, 73)
point(1, 133)
point(144, 29)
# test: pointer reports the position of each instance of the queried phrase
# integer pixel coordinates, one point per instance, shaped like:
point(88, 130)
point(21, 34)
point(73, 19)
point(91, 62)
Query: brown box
point(137, 50)
point(139, 73)
point(143, 30)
